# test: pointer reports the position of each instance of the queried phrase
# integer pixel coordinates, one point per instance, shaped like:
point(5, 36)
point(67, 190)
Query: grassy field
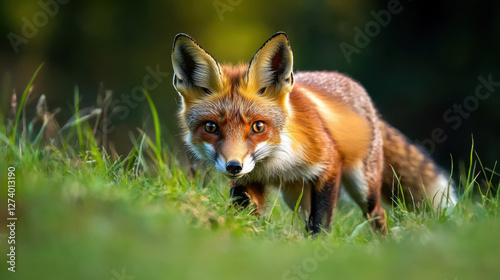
point(83, 215)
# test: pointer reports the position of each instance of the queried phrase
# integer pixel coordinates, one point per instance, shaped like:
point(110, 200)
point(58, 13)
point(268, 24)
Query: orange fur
point(341, 121)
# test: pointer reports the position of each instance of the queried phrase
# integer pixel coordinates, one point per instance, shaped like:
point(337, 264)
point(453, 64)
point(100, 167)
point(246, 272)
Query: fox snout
point(234, 167)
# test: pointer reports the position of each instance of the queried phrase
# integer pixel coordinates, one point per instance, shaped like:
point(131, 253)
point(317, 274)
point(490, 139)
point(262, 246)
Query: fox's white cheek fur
point(201, 151)
point(198, 152)
point(283, 162)
point(283, 157)
point(260, 146)
point(209, 150)
point(261, 151)
point(220, 164)
point(248, 164)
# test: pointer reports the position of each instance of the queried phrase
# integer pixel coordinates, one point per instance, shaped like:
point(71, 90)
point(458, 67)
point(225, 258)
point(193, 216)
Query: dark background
point(426, 59)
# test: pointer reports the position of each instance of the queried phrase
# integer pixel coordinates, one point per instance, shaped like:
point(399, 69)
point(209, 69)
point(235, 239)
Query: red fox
point(308, 133)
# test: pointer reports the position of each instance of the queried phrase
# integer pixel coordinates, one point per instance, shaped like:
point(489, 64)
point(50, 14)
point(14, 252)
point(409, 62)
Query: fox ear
point(270, 70)
point(195, 71)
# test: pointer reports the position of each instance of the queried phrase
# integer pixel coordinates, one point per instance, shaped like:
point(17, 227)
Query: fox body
point(307, 133)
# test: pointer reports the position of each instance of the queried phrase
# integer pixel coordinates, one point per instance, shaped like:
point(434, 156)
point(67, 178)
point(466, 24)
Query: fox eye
point(258, 127)
point(261, 91)
point(211, 127)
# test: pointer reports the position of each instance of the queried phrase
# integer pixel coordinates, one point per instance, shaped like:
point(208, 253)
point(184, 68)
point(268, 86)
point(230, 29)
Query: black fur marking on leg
point(322, 205)
point(239, 196)
point(371, 202)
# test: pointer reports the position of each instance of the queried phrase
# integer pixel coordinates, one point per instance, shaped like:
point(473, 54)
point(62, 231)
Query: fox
point(309, 134)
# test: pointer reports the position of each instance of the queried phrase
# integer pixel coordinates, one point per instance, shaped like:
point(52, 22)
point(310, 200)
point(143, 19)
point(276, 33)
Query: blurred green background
point(78, 220)
point(426, 59)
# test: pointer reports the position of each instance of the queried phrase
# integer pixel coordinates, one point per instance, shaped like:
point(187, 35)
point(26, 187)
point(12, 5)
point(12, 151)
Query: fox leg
point(239, 196)
point(364, 186)
point(323, 200)
point(254, 193)
point(376, 212)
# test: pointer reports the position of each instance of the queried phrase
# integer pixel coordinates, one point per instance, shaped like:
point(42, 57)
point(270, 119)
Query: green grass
point(82, 215)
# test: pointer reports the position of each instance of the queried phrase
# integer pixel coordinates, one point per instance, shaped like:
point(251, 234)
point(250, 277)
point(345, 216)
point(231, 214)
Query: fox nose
point(233, 167)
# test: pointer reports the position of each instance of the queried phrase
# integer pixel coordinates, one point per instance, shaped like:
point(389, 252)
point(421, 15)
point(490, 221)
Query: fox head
point(233, 116)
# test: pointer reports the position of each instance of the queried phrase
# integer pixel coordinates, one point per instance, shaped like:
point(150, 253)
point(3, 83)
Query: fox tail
point(411, 175)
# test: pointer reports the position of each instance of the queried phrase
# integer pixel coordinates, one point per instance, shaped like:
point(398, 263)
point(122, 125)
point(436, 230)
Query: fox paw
point(239, 196)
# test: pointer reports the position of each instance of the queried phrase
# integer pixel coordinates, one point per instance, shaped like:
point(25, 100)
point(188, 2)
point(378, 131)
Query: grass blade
point(156, 121)
point(21, 103)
